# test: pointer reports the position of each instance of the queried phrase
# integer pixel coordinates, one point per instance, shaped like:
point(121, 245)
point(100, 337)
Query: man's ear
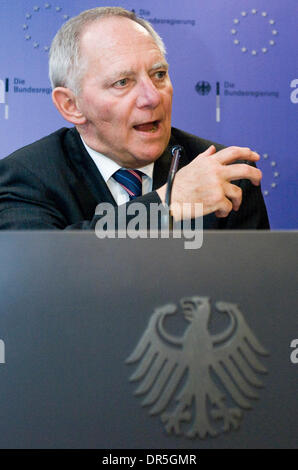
point(66, 103)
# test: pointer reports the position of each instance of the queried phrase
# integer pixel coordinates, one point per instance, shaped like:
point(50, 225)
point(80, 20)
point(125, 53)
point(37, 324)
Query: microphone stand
point(176, 153)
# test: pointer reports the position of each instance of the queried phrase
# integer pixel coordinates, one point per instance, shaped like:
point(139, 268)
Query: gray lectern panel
point(143, 344)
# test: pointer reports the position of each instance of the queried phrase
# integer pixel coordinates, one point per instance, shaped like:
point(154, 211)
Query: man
point(110, 80)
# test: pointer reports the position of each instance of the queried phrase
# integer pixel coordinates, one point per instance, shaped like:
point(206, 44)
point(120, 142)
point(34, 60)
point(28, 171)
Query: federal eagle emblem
point(199, 383)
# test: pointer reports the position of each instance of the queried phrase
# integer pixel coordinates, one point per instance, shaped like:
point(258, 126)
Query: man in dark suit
point(110, 80)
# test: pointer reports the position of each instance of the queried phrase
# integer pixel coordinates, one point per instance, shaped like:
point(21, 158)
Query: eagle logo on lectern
point(198, 382)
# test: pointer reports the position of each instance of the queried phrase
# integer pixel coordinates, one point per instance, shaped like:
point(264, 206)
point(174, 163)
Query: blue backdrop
point(234, 67)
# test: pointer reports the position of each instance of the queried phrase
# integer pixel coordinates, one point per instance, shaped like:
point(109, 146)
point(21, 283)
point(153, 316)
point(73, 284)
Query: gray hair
point(65, 64)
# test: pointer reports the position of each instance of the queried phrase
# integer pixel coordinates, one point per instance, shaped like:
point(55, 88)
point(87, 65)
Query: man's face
point(126, 92)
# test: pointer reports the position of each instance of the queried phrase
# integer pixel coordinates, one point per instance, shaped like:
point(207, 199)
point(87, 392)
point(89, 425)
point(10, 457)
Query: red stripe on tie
point(127, 189)
point(136, 175)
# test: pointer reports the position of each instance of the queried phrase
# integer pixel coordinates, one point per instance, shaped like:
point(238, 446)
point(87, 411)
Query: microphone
point(176, 151)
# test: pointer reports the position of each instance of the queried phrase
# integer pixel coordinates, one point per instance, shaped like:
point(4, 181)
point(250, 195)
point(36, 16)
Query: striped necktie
point(130, 180)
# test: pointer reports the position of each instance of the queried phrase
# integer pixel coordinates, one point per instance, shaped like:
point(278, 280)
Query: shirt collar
point(107, 167)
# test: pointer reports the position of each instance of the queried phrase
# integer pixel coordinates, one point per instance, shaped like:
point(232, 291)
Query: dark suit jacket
point(54, 184)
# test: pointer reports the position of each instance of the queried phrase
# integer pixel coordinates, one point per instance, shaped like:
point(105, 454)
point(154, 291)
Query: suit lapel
point(87, 175)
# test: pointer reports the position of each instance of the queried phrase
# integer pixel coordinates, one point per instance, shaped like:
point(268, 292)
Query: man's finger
point(232, 154)
point(225, 208)
point(234, 194)
point(210, 151)
point(242, 171)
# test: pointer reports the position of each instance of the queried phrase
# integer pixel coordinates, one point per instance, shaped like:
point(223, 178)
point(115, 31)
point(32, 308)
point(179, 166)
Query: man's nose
point(148, 94)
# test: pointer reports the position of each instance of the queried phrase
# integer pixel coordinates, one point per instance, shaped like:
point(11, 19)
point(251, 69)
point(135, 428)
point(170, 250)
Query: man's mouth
point(147, 126)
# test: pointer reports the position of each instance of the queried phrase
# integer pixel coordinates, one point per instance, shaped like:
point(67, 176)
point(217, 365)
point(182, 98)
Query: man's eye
point(121, 83)
point(160, 74)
